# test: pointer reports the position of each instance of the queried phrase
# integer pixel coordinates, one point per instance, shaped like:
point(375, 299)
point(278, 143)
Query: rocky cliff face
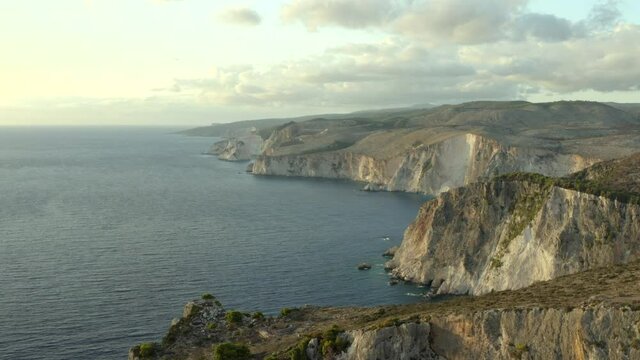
point(598, 332)
point(237, 149)
point(403, 342)
point(509, 234)
point(432, 168)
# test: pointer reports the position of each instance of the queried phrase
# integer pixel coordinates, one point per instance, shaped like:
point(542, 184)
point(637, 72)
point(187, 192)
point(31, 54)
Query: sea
point(106, 232)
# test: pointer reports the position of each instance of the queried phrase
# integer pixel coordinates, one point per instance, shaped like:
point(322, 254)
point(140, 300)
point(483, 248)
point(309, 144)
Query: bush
point(211, 326)
point(231, 351)
point(299, 351)
point(147, 350)
point(284, 312)
point(257, 315)
point(332, 343)
point(207, 296)
point(234, 317)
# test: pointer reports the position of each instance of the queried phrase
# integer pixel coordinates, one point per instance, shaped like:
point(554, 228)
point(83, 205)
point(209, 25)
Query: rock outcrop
point(237, 149)
point(403, 342)
point(508, 234)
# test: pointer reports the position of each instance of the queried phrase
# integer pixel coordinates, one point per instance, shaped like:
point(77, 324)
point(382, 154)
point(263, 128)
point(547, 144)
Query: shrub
point(299, 352)
point(234, 317)
point(211, 325)
point(257, 315)
point(272, 356)
point(284, 312)
point(518, 350)
point(147, 350)
point(389, 323)
point(332, 343)
point(496, 263)
point(231, 351)
point(207, 296)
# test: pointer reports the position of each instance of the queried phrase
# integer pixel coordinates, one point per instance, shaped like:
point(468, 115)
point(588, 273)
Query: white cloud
point(401, 71)
point(240, 16)
point(458, 21)
point(346, 13)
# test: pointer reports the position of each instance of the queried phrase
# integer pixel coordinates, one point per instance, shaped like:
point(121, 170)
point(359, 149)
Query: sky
point(195, 62)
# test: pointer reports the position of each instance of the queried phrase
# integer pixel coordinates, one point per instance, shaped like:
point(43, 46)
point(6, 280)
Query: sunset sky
point(194, 62)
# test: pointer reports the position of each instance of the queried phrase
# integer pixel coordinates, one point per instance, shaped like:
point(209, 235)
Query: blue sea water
point(105, 233)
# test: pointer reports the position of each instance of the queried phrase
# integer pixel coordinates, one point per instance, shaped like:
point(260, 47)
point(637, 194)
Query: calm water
point(105, 233)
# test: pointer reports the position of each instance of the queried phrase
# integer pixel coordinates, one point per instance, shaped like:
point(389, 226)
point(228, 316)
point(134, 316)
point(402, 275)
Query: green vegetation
point(299, 351)
point(234, 317)
point(332, 343)
point(211, 326)
point(578, 183)
point(284, 312)
point(389, 323)
point(525, 209)
point(207, 296)
point(496, 263)
point(231, 351)
point(147, 350)
point(518, 350)
point(257, 315)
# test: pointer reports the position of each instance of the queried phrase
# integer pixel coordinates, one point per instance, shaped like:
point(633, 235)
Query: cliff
point(434, 150)
point(591, 315)
point(431, 166)
point(515, 230)
point(238, 148)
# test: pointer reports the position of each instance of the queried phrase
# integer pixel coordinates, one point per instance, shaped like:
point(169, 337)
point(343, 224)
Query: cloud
point(542, 27)
point(604, 15)
point(346, 13)
point(401, 71)
point(461, 22)
point(602, 63)
point(240, 16)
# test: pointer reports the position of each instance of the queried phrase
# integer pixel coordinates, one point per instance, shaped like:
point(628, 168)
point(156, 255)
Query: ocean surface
point(105, 233)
